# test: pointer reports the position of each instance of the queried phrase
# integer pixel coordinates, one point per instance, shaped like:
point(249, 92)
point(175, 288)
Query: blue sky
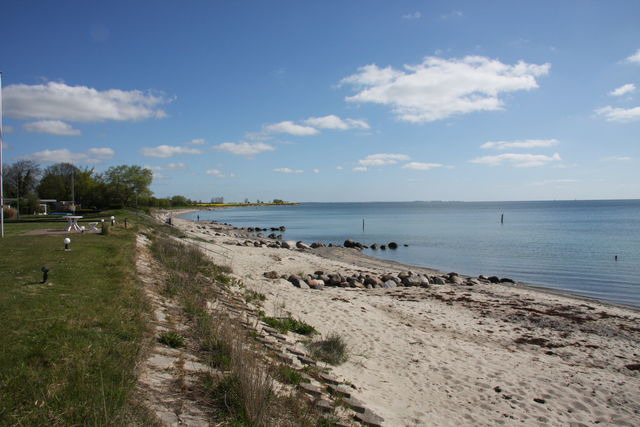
point(332, 100)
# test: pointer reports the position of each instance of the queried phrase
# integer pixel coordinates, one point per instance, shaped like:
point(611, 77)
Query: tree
point(64, 181)
point(127, 183)
point(21, 178)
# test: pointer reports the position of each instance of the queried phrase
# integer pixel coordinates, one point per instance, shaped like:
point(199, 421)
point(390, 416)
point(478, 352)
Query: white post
point(1, 171)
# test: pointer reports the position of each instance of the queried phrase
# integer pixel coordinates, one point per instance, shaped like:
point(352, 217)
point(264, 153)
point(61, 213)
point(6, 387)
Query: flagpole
point(1, 171)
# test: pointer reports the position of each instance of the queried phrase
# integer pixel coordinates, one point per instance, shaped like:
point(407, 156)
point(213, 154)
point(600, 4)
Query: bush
point(332, 349)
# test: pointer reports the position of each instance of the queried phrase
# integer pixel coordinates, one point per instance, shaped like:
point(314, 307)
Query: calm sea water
point(566, 245)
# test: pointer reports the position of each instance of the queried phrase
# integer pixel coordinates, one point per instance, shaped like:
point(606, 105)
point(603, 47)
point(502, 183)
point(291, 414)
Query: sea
point(584, 247)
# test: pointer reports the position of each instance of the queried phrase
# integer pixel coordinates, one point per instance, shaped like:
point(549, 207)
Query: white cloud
point(360, 169)
point(196, 141)
point(439, 88)
point(54, 127)
point(168, 167)
point(555, 181)
point(164, 151)
point(526, 143)
point(621, 115)
point(158, 175)
point(291, 128)
point(452, 14)
point(634, 58)
point(382, 159)
point(623, 90)
point(421, 166)
point(92, 155)
point(287, 170)
point(617, 159)
point(58, 101)
point(518, 160)
point(334, 122)
point(316, 171)
point(244, 148)
point(218, 173)
point(412, 16)
point(339, 168)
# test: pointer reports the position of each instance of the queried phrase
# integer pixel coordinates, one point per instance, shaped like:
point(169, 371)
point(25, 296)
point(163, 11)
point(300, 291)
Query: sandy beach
point(452, 354)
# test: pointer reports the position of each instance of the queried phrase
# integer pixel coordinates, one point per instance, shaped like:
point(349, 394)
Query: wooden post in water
point(502, 219)
point(362, 224)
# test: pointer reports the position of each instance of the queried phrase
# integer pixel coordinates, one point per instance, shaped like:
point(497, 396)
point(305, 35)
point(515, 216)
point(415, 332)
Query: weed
point(251, 296)
point(172, 339)
point(288, 375)
point(331, 349)
point(290, 324)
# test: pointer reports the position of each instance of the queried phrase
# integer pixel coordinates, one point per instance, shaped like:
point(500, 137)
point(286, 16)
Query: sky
point(331, 101)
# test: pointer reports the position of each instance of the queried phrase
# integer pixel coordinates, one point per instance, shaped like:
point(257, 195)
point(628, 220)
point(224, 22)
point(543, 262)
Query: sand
point(451, 354)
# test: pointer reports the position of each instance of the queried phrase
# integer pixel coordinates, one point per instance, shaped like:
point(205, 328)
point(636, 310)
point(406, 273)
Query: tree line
point(117, 187)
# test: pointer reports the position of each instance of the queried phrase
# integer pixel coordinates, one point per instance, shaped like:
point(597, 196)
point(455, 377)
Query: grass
point(70, 346)
point(242, 389)
point(290, 324)
point(171, 339)
point(288, 375)
point(331, 349)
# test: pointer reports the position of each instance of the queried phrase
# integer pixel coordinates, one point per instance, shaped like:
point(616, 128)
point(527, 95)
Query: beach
point(450, 354)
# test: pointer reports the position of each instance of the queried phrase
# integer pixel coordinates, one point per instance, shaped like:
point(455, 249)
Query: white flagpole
point(1, 171)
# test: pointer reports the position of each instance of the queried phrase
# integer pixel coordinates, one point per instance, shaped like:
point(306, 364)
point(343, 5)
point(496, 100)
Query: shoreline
point(450, 354)
point(366, 259)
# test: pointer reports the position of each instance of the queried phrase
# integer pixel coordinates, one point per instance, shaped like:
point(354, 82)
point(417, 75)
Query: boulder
point(383, 247)
point(472, 282)
point(493, 279)
point(437, 280)
point(315, 284)
point(285, 245)
point(506, 280)
point(302, 245)
point(392, 245)
point(315, 245)
point(373, 281)
point(374, 246)
point(298, 282)
point(424, 281)
point(271, 274)
point(389, 284)
point(456, 280)
point(412, 281)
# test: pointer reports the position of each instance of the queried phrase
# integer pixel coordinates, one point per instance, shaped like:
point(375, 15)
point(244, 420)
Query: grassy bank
point(242, 387)
point(70, 346)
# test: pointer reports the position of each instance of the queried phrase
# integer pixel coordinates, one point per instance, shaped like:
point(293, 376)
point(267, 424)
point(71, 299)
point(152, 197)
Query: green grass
point(290, 324)
point(172, 339)
point(69, 347)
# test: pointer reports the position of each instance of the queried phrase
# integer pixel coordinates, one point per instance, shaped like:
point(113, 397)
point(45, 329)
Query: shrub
point(288, 375)
point(332, 349)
